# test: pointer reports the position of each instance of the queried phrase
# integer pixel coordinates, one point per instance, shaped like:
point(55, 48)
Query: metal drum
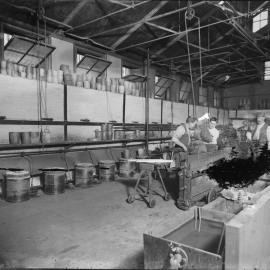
point(84, 174)
point(14, 137)
point(26, 137)
point(126, 169)
point(54, 182)
point(16, 186)
point(35, 137)
point(106, 170)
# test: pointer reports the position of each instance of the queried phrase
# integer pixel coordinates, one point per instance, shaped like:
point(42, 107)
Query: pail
point(16, 186)
point(84, 174)
point(106, 170)
point(54, 182)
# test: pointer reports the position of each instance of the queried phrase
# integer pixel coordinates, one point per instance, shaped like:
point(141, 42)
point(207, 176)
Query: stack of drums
point(16, 186)
point(106, 170)
point(84, 174)
point(126, 169)
point(54, 181)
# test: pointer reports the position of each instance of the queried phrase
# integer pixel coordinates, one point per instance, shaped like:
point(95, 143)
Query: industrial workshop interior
point(134, 134)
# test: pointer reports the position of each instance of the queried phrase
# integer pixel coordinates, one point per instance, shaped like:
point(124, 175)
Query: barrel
point(106, 170)
point(126, 169)
point(35, 137)
point(84, 174)
point(14, 137)
point(54, 182)
point(16, 186)
point(26, 137)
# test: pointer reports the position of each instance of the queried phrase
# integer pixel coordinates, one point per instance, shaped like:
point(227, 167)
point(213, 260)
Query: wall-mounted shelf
point(70, 144)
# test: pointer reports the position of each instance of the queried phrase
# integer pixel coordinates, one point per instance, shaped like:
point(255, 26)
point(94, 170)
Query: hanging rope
point(189, 14)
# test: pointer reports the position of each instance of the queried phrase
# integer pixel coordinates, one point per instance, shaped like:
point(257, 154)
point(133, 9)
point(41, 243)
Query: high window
point(267, 70)
point(260, 20)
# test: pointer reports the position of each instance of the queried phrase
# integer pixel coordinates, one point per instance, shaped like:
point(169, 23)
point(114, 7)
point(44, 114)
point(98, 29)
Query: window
point(79, 58)
point(162, 87)
point(25, 51)
point(7, 38)
point(267, 70)
point(260, 20)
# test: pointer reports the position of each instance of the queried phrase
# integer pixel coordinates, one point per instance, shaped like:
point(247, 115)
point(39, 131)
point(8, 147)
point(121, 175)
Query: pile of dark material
point(241, 172)
point(227, 137)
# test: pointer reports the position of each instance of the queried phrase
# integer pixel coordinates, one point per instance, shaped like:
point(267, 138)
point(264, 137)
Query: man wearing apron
point(182, 138)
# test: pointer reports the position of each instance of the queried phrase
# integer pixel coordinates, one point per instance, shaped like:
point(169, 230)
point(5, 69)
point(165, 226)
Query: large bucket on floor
point(54, 182)
point(16, 186)
point(84, 174)
point(106, 170)
point(126, 169)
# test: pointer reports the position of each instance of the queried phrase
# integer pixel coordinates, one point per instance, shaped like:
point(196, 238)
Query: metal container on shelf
point(26, 137)
point(84, 174)
point(93, 83)
point(118, 134)
point(4, 67)
point(45, 136)
point(98, 135)
point(16, 186)
point(15, 138)
point(103, 132)
point(106, 170)
point(35, 137)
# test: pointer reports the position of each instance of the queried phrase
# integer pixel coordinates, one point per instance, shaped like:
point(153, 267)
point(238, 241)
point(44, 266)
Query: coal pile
point(241, 172)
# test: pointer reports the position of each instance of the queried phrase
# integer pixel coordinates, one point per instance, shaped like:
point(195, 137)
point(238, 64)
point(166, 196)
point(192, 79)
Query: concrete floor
point(82, 228)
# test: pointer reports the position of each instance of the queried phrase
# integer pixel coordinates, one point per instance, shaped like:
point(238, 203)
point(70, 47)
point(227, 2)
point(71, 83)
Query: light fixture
point(227, 77)
point(221, 3)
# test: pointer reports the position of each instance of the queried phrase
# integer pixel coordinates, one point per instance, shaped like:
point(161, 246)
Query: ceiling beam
point(119, 3)
point(150, 19)
point(106, 16)
point(183, 34)
point(139, 24)
point(244, 32)
point(75, 11)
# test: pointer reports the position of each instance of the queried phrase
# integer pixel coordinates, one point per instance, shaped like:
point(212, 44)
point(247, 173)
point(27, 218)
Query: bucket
point(106, 170)
point(84, 174)
point(35, 137)
point(126, 169)
point(26, 137)
point(54, 182)
point(16, 187)
point(14, 137)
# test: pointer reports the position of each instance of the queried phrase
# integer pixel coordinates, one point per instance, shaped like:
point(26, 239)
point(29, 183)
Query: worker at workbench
point(182, 139)
point(209, 133)
point(261, 133)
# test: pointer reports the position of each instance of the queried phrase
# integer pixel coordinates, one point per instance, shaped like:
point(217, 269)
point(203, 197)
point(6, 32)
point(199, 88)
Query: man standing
point(261, 134)
point(209, 133)
point(184, 133)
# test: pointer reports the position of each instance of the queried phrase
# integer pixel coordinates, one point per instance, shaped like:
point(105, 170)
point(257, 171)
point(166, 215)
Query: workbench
point(194, 184)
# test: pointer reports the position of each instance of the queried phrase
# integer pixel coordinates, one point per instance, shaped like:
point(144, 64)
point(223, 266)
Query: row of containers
point(18, 185)
point(64, 75)
point(106, 133)
point(29, 137)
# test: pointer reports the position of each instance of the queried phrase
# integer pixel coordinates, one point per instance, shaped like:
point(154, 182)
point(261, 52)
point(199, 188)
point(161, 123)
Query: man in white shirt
point(261, 133)
point(209, 133)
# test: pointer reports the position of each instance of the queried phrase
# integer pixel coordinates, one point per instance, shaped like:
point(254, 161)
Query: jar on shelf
point(4, 67)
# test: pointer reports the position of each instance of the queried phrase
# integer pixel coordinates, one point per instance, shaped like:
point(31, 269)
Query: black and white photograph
point(135, 134)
